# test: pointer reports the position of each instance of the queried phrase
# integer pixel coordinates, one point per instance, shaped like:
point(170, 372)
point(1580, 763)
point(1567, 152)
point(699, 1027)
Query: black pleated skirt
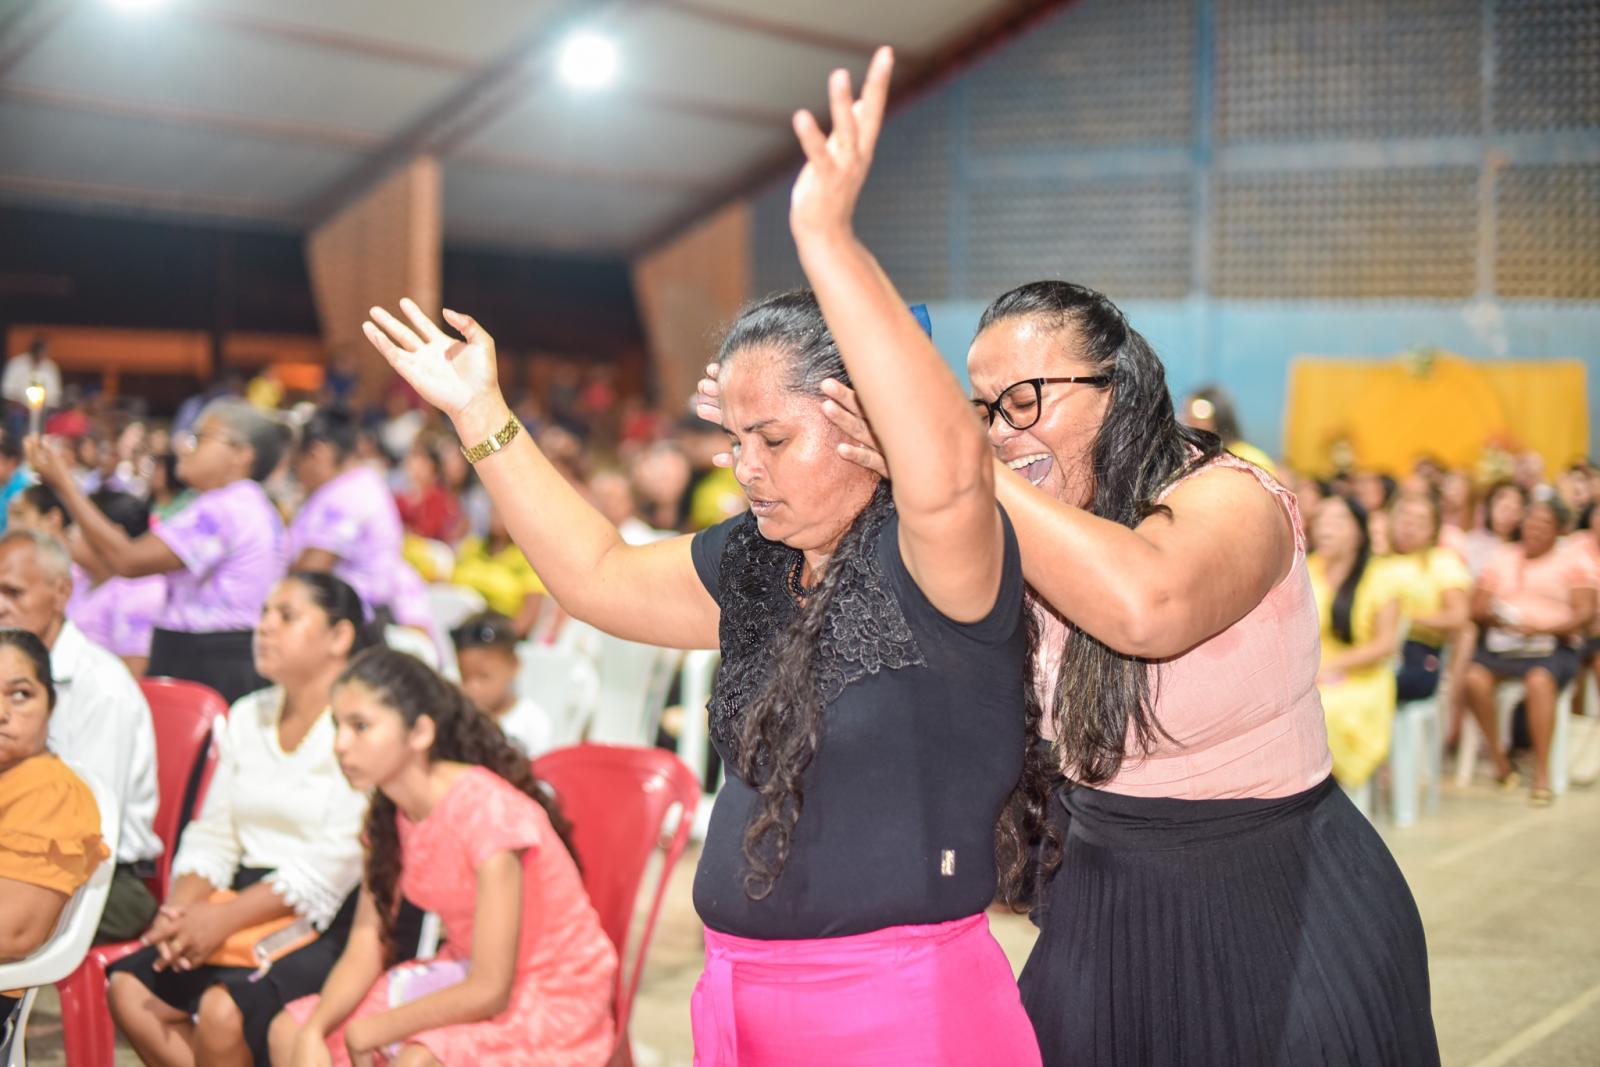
point(224, 660)
point(1237, 932)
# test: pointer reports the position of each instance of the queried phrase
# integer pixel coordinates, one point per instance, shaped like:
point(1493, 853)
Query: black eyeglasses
point(1019, 403)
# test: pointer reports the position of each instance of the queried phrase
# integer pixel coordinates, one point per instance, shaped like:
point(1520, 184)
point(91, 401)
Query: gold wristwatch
point(488, 447)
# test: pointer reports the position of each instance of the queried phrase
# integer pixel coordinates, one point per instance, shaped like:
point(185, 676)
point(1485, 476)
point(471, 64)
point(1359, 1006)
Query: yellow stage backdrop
point(1389, 412)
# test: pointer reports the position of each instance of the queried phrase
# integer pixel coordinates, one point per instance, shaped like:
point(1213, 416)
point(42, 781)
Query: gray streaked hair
point(261, 432)
point(52, 556)
point(791, 324)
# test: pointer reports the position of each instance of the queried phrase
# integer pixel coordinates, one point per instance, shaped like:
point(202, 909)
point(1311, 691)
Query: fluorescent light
point(587, 61)
point(136, 6)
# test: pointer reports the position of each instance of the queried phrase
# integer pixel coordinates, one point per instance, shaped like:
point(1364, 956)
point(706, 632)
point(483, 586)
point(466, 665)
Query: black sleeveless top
point(923, 739)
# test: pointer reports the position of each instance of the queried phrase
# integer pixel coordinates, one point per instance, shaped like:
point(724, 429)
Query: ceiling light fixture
point(136, 6)
point(587, 61)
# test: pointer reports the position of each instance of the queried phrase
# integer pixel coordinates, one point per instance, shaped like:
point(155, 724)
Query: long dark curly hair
point(462, 734)
point(1140, 449)
point(782, 727)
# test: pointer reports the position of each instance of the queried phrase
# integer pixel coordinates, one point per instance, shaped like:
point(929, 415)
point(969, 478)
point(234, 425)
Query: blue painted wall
point(1253, 180)
point(1247, 345)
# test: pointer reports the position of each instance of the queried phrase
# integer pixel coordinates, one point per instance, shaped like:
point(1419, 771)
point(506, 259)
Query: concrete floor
point(1509, 895)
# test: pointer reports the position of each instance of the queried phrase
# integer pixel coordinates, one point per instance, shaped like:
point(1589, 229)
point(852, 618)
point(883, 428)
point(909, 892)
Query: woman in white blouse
point(277, 838)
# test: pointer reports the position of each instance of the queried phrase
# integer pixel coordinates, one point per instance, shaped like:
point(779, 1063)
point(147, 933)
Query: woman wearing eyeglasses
point(221, 554)
point(1209, 895)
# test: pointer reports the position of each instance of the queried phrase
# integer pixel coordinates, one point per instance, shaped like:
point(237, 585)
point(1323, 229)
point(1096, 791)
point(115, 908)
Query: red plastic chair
point(184, 715)
point(618, 799)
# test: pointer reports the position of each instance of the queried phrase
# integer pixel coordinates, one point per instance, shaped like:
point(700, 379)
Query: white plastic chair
point(413, 643)
point(1417, 749)
point(699, 672)
point(451, 604)
point(74, 932)
point(634, 680)
point(1507, 695)
point(563, 683)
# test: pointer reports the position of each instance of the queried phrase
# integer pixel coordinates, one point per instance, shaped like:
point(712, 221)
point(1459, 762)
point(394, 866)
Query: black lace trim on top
point(865, 631)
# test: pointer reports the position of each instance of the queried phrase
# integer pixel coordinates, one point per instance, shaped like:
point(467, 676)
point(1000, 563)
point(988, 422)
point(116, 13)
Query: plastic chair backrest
point(624, 803)
point(699, 675)
point(185, 716)
point(74, 932)
point(412, 643)
point(634, 681)
point(563, 684)
point(451, 604)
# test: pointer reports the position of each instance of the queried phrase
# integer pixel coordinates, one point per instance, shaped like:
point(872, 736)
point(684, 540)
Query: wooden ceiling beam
point(719, 111)
point(1003, 25)
point(460, 114)
point(774, 29)
point(579, 172)
point(328, 40)
point(27, 27)
point(198, 118)
point(164, 200)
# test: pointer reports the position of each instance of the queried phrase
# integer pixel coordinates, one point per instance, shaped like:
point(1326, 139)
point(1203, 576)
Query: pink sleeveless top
point(1242, 706)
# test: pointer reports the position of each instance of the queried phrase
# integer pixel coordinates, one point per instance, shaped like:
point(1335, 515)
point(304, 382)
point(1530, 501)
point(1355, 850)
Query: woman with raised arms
point(870, 702)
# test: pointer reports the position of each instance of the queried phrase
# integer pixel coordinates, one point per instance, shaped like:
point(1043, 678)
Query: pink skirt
point(937, 996)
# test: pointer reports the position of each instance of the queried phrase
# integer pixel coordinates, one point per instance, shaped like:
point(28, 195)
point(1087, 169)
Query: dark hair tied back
point(340, 603)
point(462, 734)
point(1141, 448)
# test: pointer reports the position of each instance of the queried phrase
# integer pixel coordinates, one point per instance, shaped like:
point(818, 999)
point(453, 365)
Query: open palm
point(448, 372)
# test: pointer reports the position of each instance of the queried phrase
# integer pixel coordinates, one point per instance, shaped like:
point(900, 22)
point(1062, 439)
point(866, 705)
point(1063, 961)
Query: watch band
point(489, 446)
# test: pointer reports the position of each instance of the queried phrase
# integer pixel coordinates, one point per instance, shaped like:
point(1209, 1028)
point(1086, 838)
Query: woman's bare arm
point(950, 531)
point(1169, 583)
point(649, 593)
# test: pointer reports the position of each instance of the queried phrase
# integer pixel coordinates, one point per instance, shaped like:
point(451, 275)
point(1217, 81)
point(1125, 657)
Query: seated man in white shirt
point(101, 721)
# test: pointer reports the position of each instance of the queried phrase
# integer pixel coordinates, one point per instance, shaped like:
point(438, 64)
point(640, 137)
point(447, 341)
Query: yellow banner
point(1385, 414)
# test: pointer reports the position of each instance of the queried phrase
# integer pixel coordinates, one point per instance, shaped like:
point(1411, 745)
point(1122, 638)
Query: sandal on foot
point(1509, 782)
point(1542, 798)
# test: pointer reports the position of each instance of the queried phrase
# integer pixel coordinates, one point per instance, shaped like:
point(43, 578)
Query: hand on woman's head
point(785, 452)
point(841, 407)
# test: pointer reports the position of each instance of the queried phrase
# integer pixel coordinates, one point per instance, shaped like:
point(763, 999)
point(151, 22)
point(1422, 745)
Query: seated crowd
point(1436, 585)
point(269, 557)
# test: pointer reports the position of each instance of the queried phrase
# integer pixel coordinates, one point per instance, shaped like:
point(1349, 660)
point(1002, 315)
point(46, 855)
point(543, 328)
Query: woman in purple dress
point(221, 554)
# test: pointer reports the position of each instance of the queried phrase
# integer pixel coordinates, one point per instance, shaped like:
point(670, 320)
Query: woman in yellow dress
point(1360, 620)
point(1433, 586)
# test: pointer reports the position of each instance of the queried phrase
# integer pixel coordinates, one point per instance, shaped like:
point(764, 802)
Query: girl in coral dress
point(460, 826)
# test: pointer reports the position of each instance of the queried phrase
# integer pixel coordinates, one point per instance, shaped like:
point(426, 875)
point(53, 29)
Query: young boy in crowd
point(486, 649)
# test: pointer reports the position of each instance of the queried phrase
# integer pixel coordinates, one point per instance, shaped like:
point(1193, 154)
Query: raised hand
point(45, 461)
point(824, 197)
point(453, 375)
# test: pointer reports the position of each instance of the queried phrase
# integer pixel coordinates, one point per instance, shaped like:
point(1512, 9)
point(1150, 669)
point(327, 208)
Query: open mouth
point(762, 508)
point(1034, 468)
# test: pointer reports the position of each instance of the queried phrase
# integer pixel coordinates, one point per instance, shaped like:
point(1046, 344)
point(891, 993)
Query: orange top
point(49, 826)
point(1242, 706)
